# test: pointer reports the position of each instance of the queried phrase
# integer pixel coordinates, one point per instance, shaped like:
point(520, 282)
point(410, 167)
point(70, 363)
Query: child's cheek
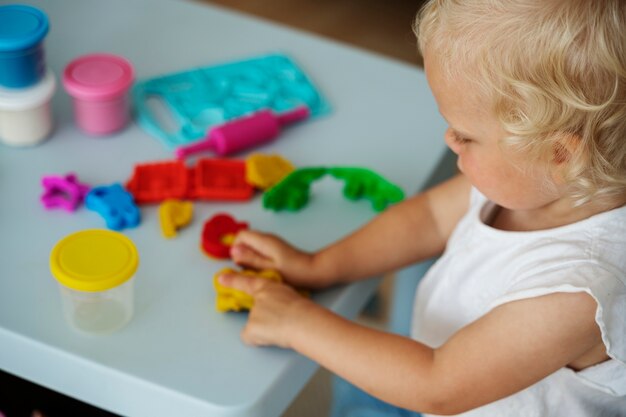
point(465, 163)
point(473, 170)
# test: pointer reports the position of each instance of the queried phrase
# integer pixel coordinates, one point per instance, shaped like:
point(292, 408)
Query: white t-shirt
point(483, 267)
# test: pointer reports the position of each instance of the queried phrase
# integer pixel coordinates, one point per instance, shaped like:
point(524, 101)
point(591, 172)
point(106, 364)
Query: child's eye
point(460, 139)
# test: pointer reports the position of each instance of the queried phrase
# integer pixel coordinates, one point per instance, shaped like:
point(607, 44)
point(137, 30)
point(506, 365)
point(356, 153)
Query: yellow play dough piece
point(264, 171)
point(173, 215)
point(229, 299)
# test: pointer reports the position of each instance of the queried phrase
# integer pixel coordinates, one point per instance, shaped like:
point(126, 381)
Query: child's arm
point(512, 347)
point(408, 232)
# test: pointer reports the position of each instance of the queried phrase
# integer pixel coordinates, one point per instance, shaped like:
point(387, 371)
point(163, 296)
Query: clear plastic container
point(95, 270)
point(99, 85)
point(100, 311)
point(25, 114)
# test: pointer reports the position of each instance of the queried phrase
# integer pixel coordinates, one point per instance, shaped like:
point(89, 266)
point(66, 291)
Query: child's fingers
point(250, 238)
point(249, 285)
point(244, 255)
point(262, 243)
point(250, 337)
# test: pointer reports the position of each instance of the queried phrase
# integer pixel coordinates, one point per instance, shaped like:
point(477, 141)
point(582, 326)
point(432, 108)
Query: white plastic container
point(95, 270)
point(25, 114)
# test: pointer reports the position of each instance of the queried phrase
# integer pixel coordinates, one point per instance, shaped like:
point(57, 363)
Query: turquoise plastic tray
point(179, 108)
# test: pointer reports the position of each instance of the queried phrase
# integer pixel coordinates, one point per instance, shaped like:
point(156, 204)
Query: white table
point(178, 357)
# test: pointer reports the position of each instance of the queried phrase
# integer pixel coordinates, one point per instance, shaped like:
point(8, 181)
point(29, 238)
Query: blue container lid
point(21, 27)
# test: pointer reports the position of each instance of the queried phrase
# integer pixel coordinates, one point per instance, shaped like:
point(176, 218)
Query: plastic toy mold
point(174, 214)
point(292, 193)
point(220, 179)
point(64, 192)
point(158, 181)
point(198, 99)
point(115, 205)
point(229, 299)
point(210, 179)
point(218, 234)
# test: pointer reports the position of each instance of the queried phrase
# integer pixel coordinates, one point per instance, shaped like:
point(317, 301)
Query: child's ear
point(566, 145)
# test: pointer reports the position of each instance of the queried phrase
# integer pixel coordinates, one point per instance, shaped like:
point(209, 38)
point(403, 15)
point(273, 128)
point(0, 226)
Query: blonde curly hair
point(550, 69)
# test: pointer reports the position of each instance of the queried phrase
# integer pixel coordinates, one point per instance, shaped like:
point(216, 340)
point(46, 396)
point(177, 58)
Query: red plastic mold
point(210, 179)
point(220, 179)
point(158, 181)
point(216, 232)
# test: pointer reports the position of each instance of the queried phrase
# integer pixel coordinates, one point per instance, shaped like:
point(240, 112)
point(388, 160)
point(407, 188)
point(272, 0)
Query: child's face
point(474, 135)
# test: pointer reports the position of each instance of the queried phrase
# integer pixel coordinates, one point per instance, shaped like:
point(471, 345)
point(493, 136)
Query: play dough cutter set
point(194, 101)
point(226, 108)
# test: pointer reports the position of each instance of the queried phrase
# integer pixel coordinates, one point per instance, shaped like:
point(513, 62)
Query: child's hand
point(258, 250)
point(275, 311)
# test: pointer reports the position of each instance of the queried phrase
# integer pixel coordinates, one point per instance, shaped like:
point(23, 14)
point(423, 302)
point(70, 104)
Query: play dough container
point(22, 60)
point(25, 114)
point(95, 270)
point(99, 85)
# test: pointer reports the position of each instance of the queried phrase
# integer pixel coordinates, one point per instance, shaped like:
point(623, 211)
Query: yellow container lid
point(94, 260)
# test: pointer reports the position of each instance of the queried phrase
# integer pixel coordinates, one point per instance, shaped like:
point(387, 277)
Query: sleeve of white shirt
point(609, 291)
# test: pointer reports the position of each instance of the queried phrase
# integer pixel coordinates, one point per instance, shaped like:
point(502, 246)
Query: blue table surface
point(178, 356)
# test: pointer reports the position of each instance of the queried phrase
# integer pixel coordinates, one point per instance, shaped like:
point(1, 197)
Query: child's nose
point(451, 142)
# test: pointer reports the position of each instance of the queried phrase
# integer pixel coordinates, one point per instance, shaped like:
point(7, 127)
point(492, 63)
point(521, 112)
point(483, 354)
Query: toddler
point(524, 313)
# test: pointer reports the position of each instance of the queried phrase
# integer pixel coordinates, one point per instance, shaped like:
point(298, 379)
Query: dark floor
point(384, 27)
point(20, 398)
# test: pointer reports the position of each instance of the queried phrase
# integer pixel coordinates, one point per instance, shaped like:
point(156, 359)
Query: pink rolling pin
point(247, 132)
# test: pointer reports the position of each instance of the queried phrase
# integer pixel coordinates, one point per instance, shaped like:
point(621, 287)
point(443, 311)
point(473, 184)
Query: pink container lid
point(98, 77)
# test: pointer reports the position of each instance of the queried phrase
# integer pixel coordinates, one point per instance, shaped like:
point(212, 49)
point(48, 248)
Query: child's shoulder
point(582, 254)
point(596, 244)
